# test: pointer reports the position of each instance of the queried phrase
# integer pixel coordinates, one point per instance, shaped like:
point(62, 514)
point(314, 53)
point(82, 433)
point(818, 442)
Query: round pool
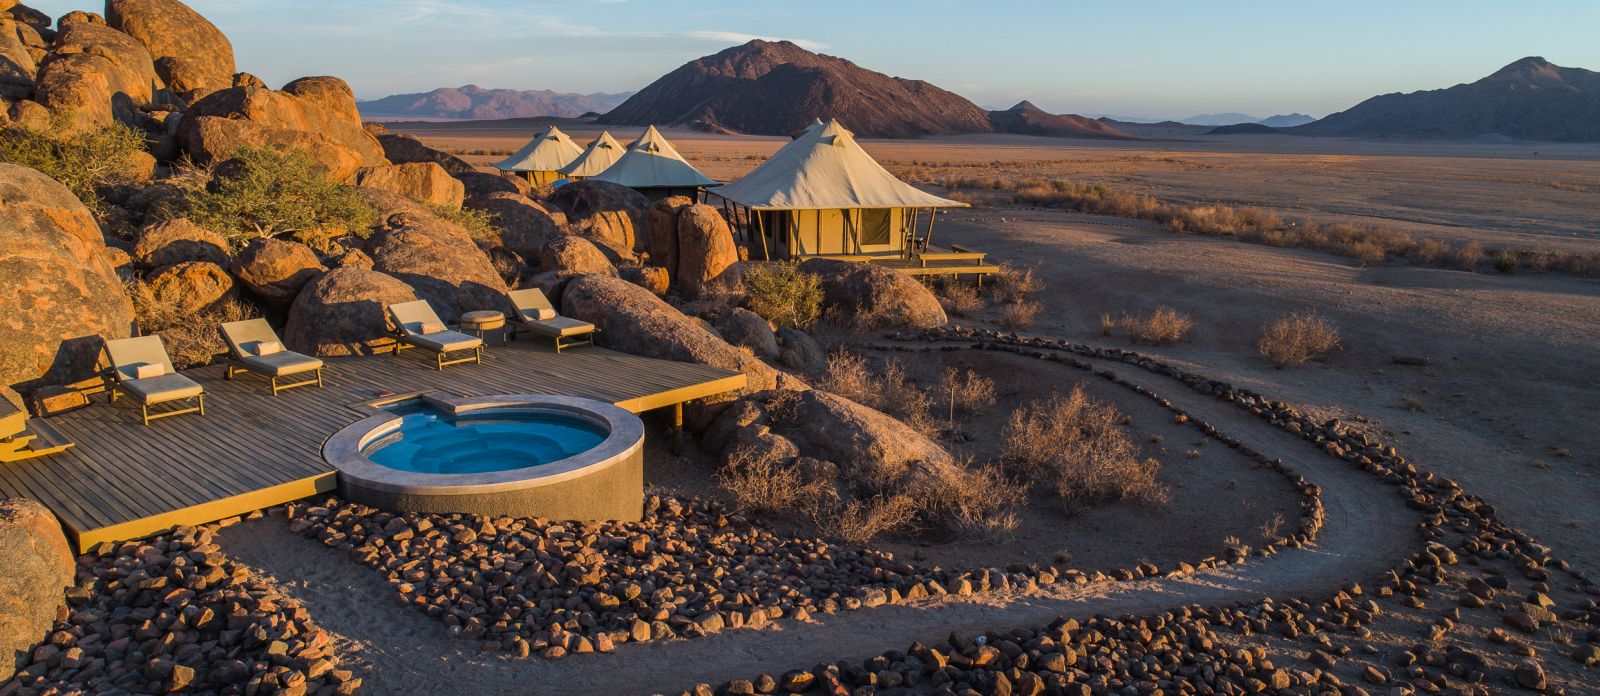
point(523, 455)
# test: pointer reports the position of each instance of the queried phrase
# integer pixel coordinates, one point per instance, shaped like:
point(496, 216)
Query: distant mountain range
point(472, 102)
point(1234, 118)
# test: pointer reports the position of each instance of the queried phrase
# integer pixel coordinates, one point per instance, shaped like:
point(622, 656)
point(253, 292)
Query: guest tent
point(540, 159)
point(654, 168)
point(822, 195)
point(603, 152)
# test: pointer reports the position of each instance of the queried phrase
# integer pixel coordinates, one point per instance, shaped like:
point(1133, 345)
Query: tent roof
point(824, 169)
point(603, 152)
point(652, 162)
point(550, 151)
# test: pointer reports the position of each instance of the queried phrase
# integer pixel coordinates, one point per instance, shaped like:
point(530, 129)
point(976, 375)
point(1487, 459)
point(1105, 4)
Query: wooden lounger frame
point(439, 360)
point(144, 407)
point(234, 367)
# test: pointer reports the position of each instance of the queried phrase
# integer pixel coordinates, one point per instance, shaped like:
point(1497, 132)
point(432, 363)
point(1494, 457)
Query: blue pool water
point(431, 442)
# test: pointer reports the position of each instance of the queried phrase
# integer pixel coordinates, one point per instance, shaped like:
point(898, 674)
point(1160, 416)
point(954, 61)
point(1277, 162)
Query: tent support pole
point(761, 229)
point(933, 216)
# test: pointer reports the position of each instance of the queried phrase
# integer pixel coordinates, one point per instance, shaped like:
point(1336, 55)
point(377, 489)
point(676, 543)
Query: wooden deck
point(251, 450)
point(956, 261)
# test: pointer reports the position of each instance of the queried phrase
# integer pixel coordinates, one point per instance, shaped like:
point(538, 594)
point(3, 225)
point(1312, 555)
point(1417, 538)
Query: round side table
point(484, 320)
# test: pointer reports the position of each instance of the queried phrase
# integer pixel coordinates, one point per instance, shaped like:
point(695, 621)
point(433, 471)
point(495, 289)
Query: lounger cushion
point(539, 314)
point(269, 348)
point(280, 363)
point(149, 370)
point(560, 327)
point(168, 387)
point(430, 327)
point(445, 341)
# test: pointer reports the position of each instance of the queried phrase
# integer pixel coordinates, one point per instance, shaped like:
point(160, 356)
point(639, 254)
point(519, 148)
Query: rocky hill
point(1027, 119)
point(1531, 99)
point(471, 102)
point(1286, 120)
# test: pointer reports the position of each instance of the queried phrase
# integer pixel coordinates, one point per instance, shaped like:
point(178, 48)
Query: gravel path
point(1367, 530)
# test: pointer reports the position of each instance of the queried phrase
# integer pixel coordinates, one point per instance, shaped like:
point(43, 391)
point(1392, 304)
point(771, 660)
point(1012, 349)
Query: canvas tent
point(822, 195)
point(540, 159)
point(654, 168)
point(603, 152)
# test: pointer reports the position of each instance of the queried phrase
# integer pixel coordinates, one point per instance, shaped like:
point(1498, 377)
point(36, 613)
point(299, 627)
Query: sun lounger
point(254, 347)
point(22, 437)
point(417, 325)
point(140, 369)
point(532, 312)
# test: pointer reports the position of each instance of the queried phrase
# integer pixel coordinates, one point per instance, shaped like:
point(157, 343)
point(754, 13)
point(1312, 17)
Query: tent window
point(875, 227)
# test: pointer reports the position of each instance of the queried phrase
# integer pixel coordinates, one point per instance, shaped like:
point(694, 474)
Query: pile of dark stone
point(172, 613)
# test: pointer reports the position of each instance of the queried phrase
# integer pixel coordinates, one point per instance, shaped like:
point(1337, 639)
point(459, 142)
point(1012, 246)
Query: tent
point(654, 168)
point(542, 157)
point(822, 195)
point(596, 158)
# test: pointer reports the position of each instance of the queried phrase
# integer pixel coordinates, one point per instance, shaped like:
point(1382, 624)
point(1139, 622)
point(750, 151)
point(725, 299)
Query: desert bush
point(1505, 261)
point(1164, 325)
point(1297, 338)
point(966, 500)
point(864, 519)
point(1430, 252)
point(759, 482)
point(966, 390)
point(1019, 314)
point(1108, 324)
point(849, 376)
point(266, 192)
point(783, 294)
point(958, 298)
point(1075, 443)
point(1013, 283)
point(889, 390)
point(191, 338)
point(1467, 257)
point(89, 163)
point(479, 224)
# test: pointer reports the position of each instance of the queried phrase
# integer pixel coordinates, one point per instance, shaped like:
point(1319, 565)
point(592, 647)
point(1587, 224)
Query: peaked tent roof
point(550, 151)
point(652, 162)
point(824, 169)
point(603, 152)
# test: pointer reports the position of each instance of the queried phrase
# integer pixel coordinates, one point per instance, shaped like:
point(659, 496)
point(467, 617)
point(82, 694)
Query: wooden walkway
point(251, 450)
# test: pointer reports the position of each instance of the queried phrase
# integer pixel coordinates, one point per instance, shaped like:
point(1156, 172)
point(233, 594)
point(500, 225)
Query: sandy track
point(1367, 530)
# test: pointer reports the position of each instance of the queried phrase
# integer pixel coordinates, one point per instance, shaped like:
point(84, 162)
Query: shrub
point(1296, 338)
point(266, 192)
point(783, 294)
point(1013, 284)
point(1467, 257)
point(1164, 325)
point(862, 520)
point(759, 482)
point(1505, 261)
point(965, 390)
point(966, 500)
point(478, 223)
point(1075, 444)
point(1019, 314)
point(890, 391)
point(958, 298)
point(1108, 323)
point(89, 163)
point(192, 339)
point(849, 376)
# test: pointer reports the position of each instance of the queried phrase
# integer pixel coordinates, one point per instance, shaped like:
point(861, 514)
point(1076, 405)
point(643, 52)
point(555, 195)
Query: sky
point(1153, 59)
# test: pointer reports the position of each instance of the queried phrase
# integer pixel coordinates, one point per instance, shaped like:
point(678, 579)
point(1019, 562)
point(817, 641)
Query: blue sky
point(1150, 58)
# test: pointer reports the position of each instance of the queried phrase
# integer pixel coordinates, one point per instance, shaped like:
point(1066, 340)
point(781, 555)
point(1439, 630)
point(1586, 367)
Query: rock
point(483, 183)
point(191, 55)
point(79, 16)
point(738, 416)
point(176, 241)
point(96, 76)
point(57, 285)
point(353, 258)
point(524, 224)
point(1530, 675)
point(17, 65)
point(661, 231)
point(799, 351)
point(404, 149)
point(330, 93)
point(742, 327)
point(244, 79)
point(29, 114)
point(508, 264)
point(608, 214)
point(422, 181)
point(706, 252)
point(856, 437)
point(341, 313)
point(876, 295)
point(226, 120)
point(440, 265)
point(575, 255)
point(193, 286)
point(652, 278)
point(276, 269)
point(38, 568)
point(24, 14)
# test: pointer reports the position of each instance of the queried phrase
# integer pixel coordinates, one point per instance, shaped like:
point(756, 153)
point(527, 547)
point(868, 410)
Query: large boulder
point(192, 56)
point(707, 256)
point(276, 269)
point(484, 183)
point(341, 312)
point(875, 295)
point(652, 278)
point(95, 76)
point(194, 287)
point(58, 287)
point(442, 266)
point(176, 241)
point(800, 352)
point(742, 327)
point(226, 120)
point(330, 93)
point(608, 214)
point(404, 149)
point(832, 428)
point(38, 570)
point(575, 255)
point(423, 181)
point(661, 232)
point(17, 64)
point(523, 223)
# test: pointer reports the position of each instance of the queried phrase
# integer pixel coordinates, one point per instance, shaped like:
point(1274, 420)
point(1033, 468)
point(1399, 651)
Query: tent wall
point(542, 177)
point(793, 233)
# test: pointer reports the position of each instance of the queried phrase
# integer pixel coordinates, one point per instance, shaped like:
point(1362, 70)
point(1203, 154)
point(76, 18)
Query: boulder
point(330, 93)
point(29, 114)
point(24, 14)
point(404, 149)
point(742, 327)
point(707, 256)
point(38, 569)
point(191, 55)
point(652, 278)
point(608, 214)
point(800, 352)
point(353, 258)
point(229, 119)
point(575, 255)
point(423, 181)
point(341, 313)
point(17, 64)
point(661, 231)
point(96, 76)
point(58, 287)
point(483, 183)
point(508, 264)
point(875, 295)
point(524, 224)
point(194, 287)
point(176, 241)
point(276, 269)
point(856, 437)
point(244, 79)
point(442, 266)
point(551, 284)
point(77, 16)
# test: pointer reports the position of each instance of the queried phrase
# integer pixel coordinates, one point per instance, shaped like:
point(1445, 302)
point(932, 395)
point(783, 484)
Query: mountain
point(476, 103)
point(1244, 129)
point(1531, 99)
point(1226, 119)
point(1027, 119)
point(1286, 120)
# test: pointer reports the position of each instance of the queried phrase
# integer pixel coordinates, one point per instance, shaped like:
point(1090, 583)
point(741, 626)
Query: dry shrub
point(192, 338)
point(958, 298)
point(891, 391)
point(760, 483)
point(862, 520)
point(1430, 252)
point(1019, 314)
point(966, 390)
point(1467, 257)
point(1013, 284)
point(1108, 324)
point(1505, 261)
point(1075, 443)
point(1164, 325)
point(1297, 338)
point(783, 294)
point(849, 376)
point(966, 500)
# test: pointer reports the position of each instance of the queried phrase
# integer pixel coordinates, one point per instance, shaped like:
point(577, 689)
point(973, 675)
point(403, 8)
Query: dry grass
point(1413, 404)
point(192, 339)
point(966, 390)
point(966, 501)
point(1014, 284)
point(957, 298)
point(1163, 326)
point(1297, 338)
point(1076, 444)
point(1019, 314)
point(889, 390)
point(862, 520)
point(1108, 324)
point(760, 483)
point(783, 294)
